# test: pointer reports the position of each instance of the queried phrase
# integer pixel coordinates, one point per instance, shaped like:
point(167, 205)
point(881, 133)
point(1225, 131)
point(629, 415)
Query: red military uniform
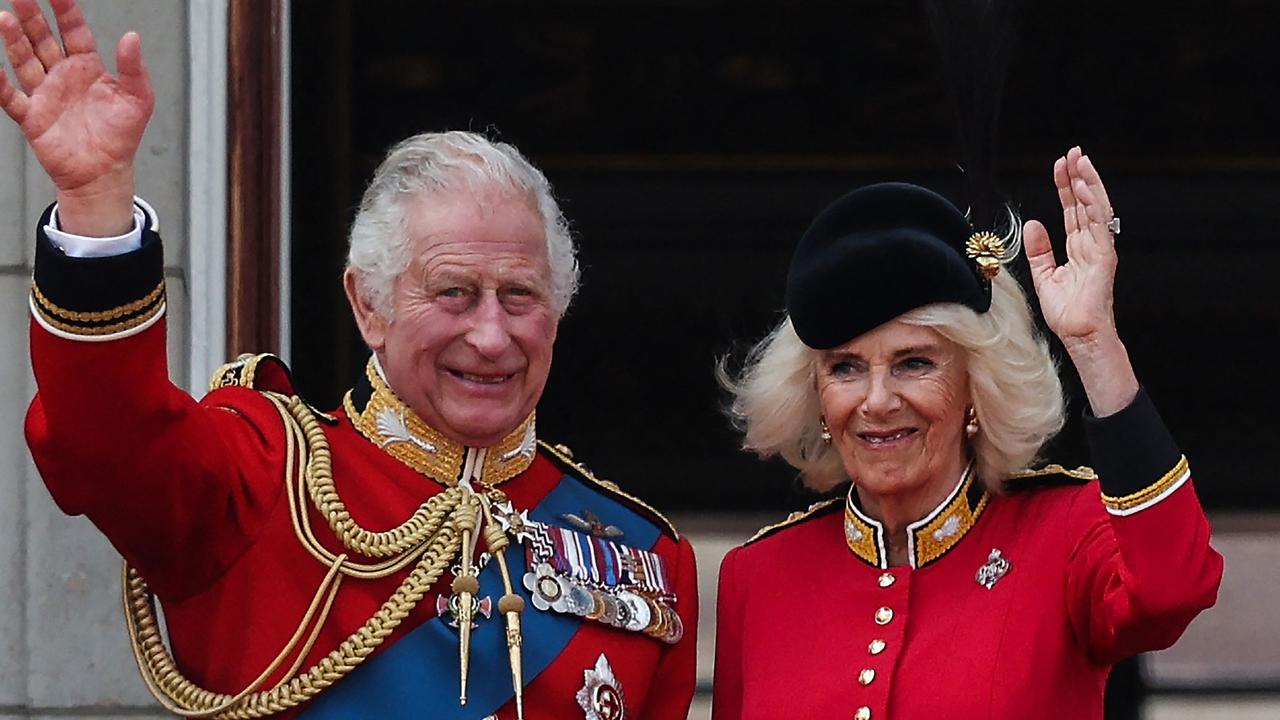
point(1012, 606)
point(238, 513)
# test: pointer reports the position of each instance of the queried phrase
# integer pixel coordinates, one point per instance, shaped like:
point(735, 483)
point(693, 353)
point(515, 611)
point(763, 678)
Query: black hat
point(876, 253)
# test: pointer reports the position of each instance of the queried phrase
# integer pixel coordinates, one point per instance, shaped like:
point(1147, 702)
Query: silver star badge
point(515, 524)
point(601, 694)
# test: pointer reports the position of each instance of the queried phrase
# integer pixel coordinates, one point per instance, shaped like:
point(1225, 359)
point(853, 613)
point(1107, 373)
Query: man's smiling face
point(469, 341)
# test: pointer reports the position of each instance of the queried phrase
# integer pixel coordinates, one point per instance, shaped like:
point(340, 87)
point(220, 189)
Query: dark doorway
point(690, 142)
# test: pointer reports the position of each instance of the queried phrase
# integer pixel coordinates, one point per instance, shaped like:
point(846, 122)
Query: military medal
point(481, 608)
point(589, 575)
point(448, 605)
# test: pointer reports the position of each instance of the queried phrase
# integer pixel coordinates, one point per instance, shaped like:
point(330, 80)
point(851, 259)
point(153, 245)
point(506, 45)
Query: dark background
point(691, 142)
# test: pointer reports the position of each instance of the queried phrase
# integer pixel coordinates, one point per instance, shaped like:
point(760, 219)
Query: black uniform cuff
point(97, 296)
point(1132, 450)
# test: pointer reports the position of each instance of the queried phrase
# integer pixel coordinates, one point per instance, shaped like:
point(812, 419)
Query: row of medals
point(619, 607)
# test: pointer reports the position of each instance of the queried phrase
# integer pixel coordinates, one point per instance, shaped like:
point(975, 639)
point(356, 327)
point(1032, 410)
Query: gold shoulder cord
point(429, 536)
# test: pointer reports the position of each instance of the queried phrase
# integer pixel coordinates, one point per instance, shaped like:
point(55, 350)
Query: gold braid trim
point(97, 330)
point(441, 543)
point(388, 422)
point(403, 538)
point(51, 309)
point(1080, 473)
point(791, 519)
point(1150, 492)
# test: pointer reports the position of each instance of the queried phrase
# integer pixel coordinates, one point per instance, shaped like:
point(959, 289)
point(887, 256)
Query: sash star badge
point(601, 694)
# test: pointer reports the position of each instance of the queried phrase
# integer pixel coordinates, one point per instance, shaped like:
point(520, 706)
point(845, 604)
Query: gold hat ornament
point(987, 250)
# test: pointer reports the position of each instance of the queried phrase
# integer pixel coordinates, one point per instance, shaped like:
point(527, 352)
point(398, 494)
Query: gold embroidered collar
point(389, 423)
point(928, 538)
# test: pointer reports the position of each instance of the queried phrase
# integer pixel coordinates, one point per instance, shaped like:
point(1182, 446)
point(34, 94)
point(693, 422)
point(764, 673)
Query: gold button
point(866, 676)
point(862, 713)
point(883, 616)
point(887, 579)
point(876, 647)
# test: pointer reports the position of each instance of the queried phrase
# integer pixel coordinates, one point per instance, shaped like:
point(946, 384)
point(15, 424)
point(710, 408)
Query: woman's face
point(896, 400)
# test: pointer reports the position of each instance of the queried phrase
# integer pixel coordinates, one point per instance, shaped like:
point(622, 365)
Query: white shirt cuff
point(82, 246)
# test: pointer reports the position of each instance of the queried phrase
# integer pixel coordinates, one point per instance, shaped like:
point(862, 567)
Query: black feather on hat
point(885, 249)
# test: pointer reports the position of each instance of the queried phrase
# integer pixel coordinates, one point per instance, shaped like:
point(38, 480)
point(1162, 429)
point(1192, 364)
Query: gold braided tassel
point(511, 604)
point(429, 538)
point(465, 587)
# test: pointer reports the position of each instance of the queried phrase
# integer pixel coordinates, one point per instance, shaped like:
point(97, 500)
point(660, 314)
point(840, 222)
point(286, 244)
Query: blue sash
point(417, 677)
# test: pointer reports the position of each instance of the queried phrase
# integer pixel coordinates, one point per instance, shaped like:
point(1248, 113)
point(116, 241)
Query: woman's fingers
point(1098, 216)
point(1065, 195)
point(1035, 242)
point(1073, 172)
point(1090, 175)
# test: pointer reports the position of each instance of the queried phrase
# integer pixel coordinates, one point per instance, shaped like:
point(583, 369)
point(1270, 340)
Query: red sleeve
point(1143, 567)
point(178, 487)
point(675, 678)
point(726, 701)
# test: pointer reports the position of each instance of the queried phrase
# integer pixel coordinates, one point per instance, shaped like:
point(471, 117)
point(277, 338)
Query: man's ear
point(373, 326)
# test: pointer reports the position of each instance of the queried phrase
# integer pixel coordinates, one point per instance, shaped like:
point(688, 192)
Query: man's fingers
point(26, 66)
point(37, 29)
point(12, 100)
point(130, 67)
point(76, 35)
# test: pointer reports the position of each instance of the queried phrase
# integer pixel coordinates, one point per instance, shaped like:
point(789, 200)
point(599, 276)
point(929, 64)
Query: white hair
point(437, 163)
point(1013, 384)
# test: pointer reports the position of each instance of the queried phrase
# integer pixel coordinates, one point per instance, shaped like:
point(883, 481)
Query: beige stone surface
point(13, 235)
point(62, 641)
point(14, 393)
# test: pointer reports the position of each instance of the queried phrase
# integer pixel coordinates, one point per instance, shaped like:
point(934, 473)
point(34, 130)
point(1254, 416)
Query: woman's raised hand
point(1077, 298)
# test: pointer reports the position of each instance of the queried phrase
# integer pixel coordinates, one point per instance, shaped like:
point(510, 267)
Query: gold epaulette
point(244, 372)
point(1080, 473)
point(794, 518)
point(1049, 476)
point(263, 372)
point(564, 456)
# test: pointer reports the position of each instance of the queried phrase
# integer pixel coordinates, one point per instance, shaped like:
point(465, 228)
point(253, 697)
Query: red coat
point(193, 496)
point(811, 625)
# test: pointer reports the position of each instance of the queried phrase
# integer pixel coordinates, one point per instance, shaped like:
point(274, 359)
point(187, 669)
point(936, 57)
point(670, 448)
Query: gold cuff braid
point(1150, 492)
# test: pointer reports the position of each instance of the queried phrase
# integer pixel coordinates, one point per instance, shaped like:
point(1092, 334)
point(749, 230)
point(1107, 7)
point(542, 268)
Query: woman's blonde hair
point(1013, 383)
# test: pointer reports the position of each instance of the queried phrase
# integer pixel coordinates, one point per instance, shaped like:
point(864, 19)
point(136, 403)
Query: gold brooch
point(986, 249)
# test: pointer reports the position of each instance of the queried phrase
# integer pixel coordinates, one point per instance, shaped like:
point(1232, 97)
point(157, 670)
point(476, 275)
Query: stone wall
point(63, 648)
